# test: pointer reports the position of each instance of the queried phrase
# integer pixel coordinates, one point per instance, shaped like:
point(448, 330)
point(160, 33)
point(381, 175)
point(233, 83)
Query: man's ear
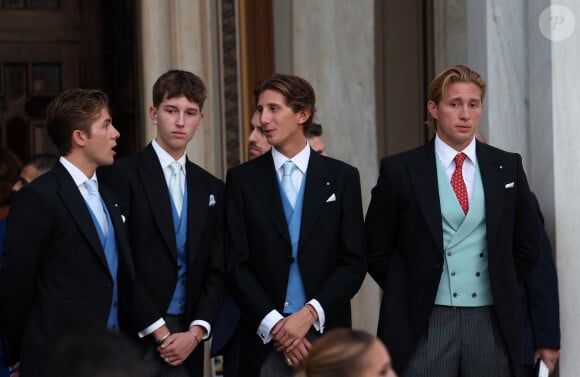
point(153, 114)
point(433, 110)
point(79, 137)
point(303, 116)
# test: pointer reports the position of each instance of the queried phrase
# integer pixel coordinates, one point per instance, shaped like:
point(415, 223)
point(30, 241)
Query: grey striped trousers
point(461, 342)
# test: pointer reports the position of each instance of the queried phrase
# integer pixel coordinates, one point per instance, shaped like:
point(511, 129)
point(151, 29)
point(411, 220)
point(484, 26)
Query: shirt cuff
point(204, 324)
point(265, 328)
point(151, 328)
point(320, 322)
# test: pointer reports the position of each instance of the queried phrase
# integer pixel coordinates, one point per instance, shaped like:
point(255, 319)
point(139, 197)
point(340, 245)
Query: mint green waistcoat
point(465, 277)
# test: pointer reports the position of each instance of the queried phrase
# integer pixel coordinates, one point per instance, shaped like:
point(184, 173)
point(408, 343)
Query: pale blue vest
point(295, 294)
point(177, 304)
point(465, 276)
point(109, 244)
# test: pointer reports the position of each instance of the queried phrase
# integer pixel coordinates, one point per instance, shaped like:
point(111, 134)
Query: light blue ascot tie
point(175, 186)
point(94, 201)
point(287, 184)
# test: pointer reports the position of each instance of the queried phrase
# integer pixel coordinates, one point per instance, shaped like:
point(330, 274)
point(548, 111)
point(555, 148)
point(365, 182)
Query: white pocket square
point(211, 200)
point(123, 218)
point(331, 198)
point(509, 185)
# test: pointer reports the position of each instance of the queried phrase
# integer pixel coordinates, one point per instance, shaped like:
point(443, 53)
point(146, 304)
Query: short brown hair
point(73, 109)
point(176, 83)
point(298, 93)
point(451, 75)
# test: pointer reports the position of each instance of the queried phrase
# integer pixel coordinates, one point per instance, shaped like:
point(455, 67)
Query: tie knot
point(288, 168)
point(175, 167)
point(91, 185)
point(459, 158)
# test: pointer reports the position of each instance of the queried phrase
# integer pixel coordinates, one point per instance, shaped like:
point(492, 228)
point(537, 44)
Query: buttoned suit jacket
point(331, 247)
point(55, 274)
point(140, 186)
point(405, 244)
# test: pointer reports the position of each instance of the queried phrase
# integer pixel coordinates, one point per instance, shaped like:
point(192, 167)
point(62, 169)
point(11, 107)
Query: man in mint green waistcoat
point(451, 229)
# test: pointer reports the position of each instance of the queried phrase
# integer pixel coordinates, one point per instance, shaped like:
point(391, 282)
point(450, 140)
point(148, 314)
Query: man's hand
point(178, 346)
point(549, 356)
point(297, 356)
point(160, 333)
point(288, 332)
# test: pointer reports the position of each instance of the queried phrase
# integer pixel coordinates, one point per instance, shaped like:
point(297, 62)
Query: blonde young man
point(451, 229)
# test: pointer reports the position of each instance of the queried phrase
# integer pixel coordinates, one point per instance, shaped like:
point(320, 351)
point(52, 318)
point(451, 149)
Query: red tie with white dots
point(458, 183)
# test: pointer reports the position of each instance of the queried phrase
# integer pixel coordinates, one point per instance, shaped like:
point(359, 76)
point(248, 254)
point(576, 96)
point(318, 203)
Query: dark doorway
point(49, 46)
point(121, 71)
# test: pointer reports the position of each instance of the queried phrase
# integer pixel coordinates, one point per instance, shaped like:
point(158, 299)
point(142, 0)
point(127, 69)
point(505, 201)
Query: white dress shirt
point(301, 162)
point(165, 160)
point(446, 156)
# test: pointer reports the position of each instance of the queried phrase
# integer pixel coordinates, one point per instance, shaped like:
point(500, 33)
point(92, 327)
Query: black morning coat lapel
point(151, 174)
point(319, 187)
point(265, 181)
point(198, 203)
point(423, 173)
point(493, 177)
point(77, 207)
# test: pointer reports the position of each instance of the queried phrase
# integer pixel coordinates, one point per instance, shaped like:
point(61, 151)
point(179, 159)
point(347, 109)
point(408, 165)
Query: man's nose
point(465, 112)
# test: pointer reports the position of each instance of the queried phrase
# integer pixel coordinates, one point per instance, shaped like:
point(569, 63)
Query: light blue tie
point(94, 201)
point(175, 186)
point(287, 184)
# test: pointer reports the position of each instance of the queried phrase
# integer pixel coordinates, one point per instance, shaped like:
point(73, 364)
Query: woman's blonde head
point(338, 353)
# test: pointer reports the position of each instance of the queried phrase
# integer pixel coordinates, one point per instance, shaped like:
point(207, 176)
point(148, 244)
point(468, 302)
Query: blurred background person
point(33, 168)
point(257, 143)
point(315, 139)
point(95, 353)
point(9, 170)
point(347, 353)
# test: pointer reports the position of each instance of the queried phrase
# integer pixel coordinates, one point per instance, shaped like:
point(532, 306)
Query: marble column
point(177, 34)
point(333, 48)
point(565, 102)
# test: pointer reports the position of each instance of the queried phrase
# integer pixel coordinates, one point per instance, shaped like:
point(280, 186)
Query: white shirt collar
point(165, 158)
point(300, 159)
point(446, 154)
point(77, 175)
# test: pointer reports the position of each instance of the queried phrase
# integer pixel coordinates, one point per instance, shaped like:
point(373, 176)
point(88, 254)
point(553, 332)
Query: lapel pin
point(500, 167)
point(328, 183)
